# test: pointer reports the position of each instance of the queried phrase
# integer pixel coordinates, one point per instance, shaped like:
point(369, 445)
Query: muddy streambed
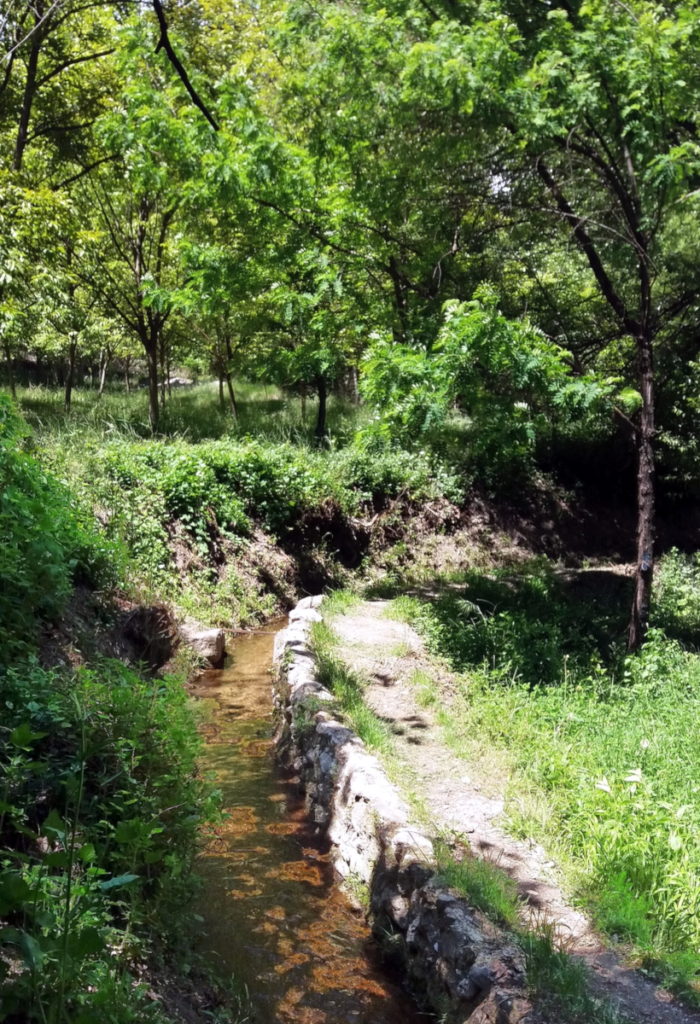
point(273, 915)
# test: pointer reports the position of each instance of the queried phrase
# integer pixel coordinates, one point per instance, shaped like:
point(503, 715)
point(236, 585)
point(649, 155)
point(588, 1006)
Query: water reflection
point(272, 914)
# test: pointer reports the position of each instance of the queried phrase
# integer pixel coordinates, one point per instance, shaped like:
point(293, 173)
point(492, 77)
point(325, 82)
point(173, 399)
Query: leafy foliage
point(46, 539)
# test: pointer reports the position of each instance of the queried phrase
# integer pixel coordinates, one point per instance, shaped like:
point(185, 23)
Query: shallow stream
point(273, 915)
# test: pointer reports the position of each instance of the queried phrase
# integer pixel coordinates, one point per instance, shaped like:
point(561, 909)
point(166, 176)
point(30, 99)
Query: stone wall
point(453, 958)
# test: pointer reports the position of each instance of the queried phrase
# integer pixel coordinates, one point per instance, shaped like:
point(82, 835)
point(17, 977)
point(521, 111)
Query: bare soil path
point(388, 653)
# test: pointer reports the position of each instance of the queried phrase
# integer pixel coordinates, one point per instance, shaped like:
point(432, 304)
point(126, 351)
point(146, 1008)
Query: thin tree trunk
point(646, 513)
point(167, 368)
point(71, 372)
point(231, 396)
point(229, 380)
point(162, 372)
point(149, 340)
point(221, 385)
point(355, 385)
point(321, 421)
point(10, 371)
point(127, 380)
point(106, 356)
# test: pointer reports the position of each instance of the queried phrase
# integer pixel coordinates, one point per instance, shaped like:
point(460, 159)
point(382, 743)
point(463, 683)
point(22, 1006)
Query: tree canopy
point(487, 207)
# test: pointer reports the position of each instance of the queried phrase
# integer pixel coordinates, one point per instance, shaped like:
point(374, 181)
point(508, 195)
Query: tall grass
point(192, 413)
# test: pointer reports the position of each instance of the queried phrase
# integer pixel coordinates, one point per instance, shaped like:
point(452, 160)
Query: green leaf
point(54, 826)
point(87, 943)
point(59, 859)
point(116, 883)
point(23, 736)
point(13, 891)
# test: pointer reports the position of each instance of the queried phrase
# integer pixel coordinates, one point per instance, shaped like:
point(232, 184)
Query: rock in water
point(208, 643)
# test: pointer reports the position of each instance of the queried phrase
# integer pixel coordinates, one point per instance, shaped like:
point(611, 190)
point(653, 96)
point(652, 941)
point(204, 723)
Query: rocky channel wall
point(453, 958)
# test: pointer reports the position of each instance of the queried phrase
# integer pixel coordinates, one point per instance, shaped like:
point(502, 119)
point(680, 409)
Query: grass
point(486, 886)
point(193, 413)
point(600, 746)
point(347, 688)
point(560, 982)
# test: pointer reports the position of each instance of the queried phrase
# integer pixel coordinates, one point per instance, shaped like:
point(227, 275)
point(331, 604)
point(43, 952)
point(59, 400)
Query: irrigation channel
point(273, 915)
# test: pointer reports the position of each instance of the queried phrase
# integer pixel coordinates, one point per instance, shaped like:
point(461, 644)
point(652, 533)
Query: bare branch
point(165, 43)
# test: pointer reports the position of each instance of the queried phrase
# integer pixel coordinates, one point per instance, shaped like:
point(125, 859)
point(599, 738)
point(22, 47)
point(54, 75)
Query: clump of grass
point(339, 602)
point(560, 983)
point(347, 687)
point(486, 886)
point(426, 691)
point(403, 609)
point(621, 911)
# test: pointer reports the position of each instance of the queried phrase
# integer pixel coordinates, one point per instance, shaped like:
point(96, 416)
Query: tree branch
point(591, 253)
point(165, 43)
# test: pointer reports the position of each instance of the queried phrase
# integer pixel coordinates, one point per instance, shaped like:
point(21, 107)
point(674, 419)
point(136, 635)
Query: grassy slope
point(601, 747)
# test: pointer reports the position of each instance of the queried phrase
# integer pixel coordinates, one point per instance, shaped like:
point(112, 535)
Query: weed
point(560, 982)
point(486, 886)
point(427, 693)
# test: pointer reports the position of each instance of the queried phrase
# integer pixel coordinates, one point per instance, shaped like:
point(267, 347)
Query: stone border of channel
point(452, 957)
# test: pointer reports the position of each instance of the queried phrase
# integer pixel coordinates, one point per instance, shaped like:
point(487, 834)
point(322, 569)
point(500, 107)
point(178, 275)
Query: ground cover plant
point(100, 794)
point(600, 744)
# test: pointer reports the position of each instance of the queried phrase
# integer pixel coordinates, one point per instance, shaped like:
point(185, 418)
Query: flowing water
point(273, 916)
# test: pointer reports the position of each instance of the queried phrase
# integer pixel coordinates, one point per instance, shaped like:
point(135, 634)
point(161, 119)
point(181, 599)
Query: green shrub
point(100, 803)
point(46, 540)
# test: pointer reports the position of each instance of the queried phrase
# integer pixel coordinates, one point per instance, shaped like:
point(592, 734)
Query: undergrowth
point(100, 793)
point(601, 745)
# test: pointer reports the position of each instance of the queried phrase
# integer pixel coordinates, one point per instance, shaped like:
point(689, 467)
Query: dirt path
point(388, 653)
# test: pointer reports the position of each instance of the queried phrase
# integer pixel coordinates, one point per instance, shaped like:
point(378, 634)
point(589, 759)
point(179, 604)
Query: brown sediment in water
point(273, 916)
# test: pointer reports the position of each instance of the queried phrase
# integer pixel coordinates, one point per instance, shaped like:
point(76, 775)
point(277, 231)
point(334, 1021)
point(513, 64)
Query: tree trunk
point(231, 396)
point(355, 385)
point(167, 368)
point(71, 372)
point(229, 381)
point(127, 381)
point(106, 356)
point(321, 421)
point(10, 371)
point(645, 495)
point(29, 89)
point(149, 340)
point(162, 372)
point(221, 386)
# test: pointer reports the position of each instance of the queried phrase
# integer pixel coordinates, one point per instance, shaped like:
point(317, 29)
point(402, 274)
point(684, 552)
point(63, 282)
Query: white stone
point(208, 643)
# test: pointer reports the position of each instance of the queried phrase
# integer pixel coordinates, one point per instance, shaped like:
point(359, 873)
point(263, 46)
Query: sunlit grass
point(599, 747)
point(194, 413)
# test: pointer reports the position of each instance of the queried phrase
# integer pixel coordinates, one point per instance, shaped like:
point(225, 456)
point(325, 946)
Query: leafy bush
point(100, 806)
point(676, 607)
point(504, 375)
point(46, 539)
